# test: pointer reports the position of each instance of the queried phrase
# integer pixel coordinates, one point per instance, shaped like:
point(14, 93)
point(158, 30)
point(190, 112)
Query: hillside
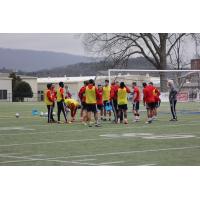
point(29, 60)
point(89, 69)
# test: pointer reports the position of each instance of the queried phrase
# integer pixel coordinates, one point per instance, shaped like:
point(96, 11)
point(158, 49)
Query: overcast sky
point(58, 42)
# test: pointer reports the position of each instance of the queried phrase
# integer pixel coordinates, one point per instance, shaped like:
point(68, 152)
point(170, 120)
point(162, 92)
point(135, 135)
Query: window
point(3, 94)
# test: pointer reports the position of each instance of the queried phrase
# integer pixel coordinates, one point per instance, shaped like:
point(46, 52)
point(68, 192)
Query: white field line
point(4, 154)
point(95, 155)
point(29, 159)
point(83, 160)
point(148, 164)
point(52, 142)
point(196, 123)
point(108, 163)
point(128, 152)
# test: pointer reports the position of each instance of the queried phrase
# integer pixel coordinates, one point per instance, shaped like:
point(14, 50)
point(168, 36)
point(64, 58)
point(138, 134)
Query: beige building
point(75, 83)
point(5, 88)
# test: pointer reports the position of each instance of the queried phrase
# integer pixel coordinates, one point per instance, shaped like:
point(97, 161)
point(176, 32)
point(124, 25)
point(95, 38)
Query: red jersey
point(54, 95)
point(148, 94)
point(68, 95)
point(113, 92)
point(81, 94)
point(100, 99)
point(156, 94)
point(50, 95)
point(136, 93)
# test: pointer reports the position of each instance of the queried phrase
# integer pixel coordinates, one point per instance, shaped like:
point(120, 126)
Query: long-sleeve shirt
point(173, 93)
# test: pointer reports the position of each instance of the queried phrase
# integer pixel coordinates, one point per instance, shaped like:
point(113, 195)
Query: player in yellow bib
point(73, 105)
point(91, 96)
point(106, 99)
point(122, 101)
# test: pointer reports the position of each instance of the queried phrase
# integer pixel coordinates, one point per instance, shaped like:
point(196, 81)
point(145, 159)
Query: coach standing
point(172, 99)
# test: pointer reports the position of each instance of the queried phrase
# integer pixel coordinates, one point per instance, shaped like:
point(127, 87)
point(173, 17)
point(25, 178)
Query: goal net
point(187, 82)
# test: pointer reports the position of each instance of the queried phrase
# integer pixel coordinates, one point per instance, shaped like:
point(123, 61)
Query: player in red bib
point(82, 98)
point(156, 94)
point(136, 102)
point(149, 101)
point(100, 101)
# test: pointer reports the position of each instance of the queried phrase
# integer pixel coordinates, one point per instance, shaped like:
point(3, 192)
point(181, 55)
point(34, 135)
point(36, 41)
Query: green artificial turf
point(29, 140)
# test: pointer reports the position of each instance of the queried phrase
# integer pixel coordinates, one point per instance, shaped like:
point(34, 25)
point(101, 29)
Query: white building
point(5, 88)
point(73, 83)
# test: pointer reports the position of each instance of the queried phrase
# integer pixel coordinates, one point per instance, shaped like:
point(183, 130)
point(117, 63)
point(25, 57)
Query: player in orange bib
point(49, 101)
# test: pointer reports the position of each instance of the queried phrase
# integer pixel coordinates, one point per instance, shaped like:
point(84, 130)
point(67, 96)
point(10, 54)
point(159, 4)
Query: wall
point(6, 84)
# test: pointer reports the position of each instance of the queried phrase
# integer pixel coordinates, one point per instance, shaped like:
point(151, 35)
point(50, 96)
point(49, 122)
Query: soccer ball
point(46, 114)
point(54, 114)
point(41, 114)
point(17, 115)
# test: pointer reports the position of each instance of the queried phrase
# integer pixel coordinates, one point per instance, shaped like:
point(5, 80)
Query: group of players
point(102, 101)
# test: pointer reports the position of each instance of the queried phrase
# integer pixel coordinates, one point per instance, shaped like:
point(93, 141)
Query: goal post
point(186, 81)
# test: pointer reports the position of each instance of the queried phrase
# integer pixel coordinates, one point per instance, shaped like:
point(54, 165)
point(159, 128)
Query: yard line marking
point(52, 142)
point(129, 152)
point(108, 163)
point(10, 154)
point(29, 159)
point(152, 164)
point(100, 154)
point(15, 161)
point(16, 128)
point(101, 129)
point(89, 159)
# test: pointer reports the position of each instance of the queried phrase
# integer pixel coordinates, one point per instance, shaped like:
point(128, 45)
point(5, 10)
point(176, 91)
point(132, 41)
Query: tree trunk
point(163, 63)
point(163, 82)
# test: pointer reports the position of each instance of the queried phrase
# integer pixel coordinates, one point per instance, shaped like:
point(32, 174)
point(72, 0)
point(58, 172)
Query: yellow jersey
point(90, 95)
point(60, 94)
point(69, 102)
point(47, 94)
point(122, 96)
point(106, 93)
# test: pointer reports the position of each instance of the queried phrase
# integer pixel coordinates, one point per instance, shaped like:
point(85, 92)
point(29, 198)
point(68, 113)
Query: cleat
point(173, 120)
point(125, 121)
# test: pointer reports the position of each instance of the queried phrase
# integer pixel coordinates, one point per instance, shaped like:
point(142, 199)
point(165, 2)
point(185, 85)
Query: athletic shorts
point(99, 107)
point(91, 108)
point(105, 103)
point(157, 104)
point(136, 105)
point(123, 107)
point(83, 106)
point(150, 105)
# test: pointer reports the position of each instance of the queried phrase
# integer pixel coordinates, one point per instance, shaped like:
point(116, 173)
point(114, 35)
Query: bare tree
point(119, 47)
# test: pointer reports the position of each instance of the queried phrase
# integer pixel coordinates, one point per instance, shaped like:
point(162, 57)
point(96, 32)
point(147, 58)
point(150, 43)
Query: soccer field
point(29, 140)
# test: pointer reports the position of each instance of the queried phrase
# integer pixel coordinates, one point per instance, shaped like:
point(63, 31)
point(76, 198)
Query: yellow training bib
point(106, 93)
point(122, 96)
point(90, 95)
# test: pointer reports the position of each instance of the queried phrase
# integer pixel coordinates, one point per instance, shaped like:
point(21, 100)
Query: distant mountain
point(29, 60)
point(89, 69)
